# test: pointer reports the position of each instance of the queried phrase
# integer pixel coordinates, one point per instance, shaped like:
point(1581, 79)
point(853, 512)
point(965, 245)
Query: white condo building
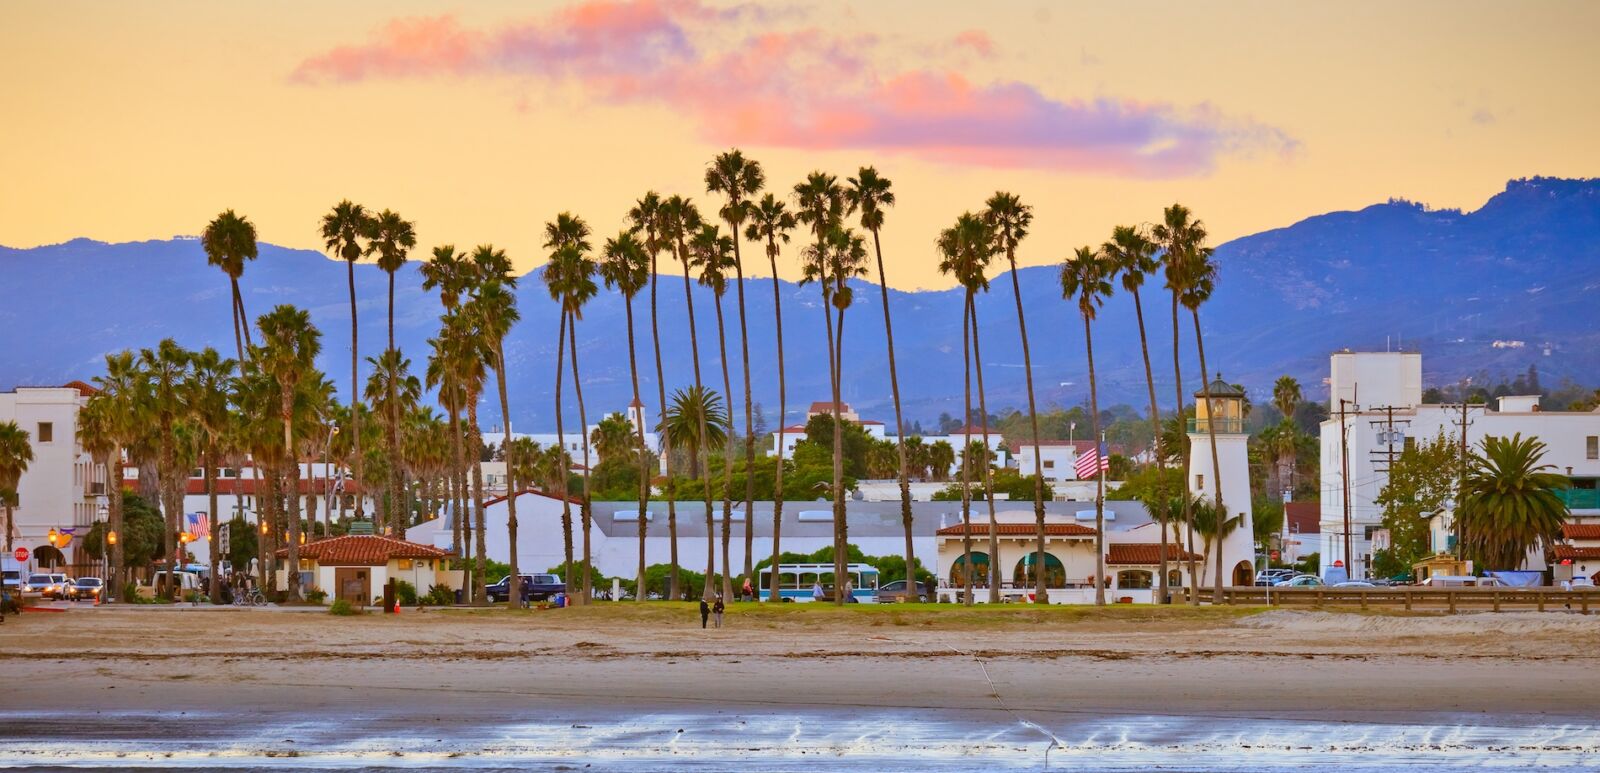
point(1381, 393)
point(62, 488)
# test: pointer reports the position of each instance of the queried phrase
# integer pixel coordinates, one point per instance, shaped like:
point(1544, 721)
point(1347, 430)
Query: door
point(354, 584)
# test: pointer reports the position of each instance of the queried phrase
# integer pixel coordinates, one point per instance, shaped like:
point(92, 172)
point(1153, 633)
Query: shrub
point(316, 595)
point(405, 593)
point(342, 608)
point(440, 596)
point(193, 597)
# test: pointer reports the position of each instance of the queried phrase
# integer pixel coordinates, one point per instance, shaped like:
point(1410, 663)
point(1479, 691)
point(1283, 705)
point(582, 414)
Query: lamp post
point(104, 512)
point(111, 539)
point(327, 479)
point(52, 537)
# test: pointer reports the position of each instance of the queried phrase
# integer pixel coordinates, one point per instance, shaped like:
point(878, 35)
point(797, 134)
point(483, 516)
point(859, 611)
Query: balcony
point(1580, 498)
point(94, 489)
point(1224, 425)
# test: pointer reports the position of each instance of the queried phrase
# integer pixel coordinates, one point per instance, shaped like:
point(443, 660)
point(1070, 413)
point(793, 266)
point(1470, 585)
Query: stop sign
point(1274, 555)
point(21, 554)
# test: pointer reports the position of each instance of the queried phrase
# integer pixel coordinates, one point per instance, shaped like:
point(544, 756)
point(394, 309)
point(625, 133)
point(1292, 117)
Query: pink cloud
point(802, 89)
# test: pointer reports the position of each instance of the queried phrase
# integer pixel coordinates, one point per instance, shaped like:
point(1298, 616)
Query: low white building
point(1059, 458)
point(1381, 393)
point(794, 433)
point(572, 441)
point(62, 488)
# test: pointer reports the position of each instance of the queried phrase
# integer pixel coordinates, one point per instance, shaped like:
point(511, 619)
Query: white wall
point(54, 492)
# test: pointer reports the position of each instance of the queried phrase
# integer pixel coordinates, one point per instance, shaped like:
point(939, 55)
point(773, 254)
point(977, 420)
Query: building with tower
point(1228, 477)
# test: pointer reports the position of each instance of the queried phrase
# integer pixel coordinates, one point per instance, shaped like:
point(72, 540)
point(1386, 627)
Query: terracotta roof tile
point(1143, 554)
point(1581, 531)
point(364, 550)
point(1020, 529)
point(497, 500)
point(1303, 517)
point(1565, 552)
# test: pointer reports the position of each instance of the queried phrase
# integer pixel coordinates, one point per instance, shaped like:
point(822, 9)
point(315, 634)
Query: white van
point(1462, 581)
point(187, 581)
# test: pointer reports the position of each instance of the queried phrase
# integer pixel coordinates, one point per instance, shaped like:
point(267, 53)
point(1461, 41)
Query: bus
point(795, 582)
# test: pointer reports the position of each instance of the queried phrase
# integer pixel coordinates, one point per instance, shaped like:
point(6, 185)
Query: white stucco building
point(62, 488)
point(1376, 386)
point(572, 441)
point(1058, 458)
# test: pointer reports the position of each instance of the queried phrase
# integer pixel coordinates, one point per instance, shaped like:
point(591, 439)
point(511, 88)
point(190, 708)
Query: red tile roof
point(827, 407)
point(84, 390)
point(1564, 552)
point(1581, 531)
point(364, 550)
point(1144, 554)
point(1020, 529)
point(1303, 517)
point(497, 500)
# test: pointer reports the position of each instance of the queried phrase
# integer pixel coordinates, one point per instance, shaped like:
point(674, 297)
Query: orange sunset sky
point(130, 121)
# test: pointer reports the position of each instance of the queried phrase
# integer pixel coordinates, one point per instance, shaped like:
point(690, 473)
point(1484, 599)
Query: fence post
point(1495, 595)
point(1541, 600)
point(1450, 596)
point(1363, 593)
point(1408, 599)
point(1583, 599)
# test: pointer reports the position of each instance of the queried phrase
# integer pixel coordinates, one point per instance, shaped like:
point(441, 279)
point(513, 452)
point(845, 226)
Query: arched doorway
point(48, 557)
point(1244, 573)
point(980, 571)
point(1055, 575)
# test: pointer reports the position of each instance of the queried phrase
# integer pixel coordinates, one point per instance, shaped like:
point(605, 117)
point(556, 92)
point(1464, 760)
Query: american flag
point(199, 524)
point(1092, 462)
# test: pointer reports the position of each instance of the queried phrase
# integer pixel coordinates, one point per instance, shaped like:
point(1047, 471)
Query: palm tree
point(1286, 395)
point(97, 437)
point(205, 395)
point(1134, 255)
point(965, 250)
point(495, 310)
point(450, 273)
point(739, 179)
point(627, 268)
point(613, 438)
point(1087, 277)
point(570, 278)
point(687, 411)
point(1010, 219)
point(1206, 522)
point(941, 455)
point(869, 193)
point(344, 232)
point(16, 453)
point(1510, 505)
point(1176, 236)
point(165, 369)
point(121, 392)
point(1198, 281)
point(680, 220)
point(391, 239)
point(821, 204)
point(392, 391)
point(289, 348)
point(713, 253)
point(647, 216)
point(230, 241)
point(771, 222)
point(1286, 398)
point(461, 351)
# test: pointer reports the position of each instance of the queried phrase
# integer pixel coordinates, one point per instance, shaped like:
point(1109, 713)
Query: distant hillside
point(1452, 284)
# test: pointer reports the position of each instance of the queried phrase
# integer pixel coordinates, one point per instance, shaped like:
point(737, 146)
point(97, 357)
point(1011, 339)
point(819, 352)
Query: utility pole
point(1461, 474)
point(1344, 475)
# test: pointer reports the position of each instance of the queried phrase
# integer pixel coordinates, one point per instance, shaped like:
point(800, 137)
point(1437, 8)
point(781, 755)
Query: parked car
point(1461, 581)
point(37, 583)
point(895, 592)
point(535, 587)
point(10, 580)
point(187, 581)
point(1578, 583)
point(85, 589)
point(1301, 581)
point(1273, 576)
point(1354, 584)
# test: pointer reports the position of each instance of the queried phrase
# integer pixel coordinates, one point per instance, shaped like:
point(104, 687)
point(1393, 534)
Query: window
point(47, 432)
point(1055, 575)
point(1593, 443)
point(1049, 464)
point(1134, 579)
point(1200, 482)
point(1174, 578)
point(1411, 443)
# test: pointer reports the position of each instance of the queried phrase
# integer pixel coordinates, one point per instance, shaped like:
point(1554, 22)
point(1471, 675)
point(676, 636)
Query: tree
point(965, 250)
point(771, 222)
point(1177, 238)
point(740, 179)
point(941, 457)
point(344, 231)
point(686, 411)
point(449, 273)
point(570, 278)
point(494, 310)
point(391, 238)
point(680, 221)
point(1421, 484)
point(1134, 256)
point(648, 216)
point(713, 254)
point(289, 348)
point(626, 267)
point(205, 395)
point(121, 390)
point(1087, 278)
point(16, 453)
point(457, 369)
point(393, 392)
point(229, 242)
point(165, 368)
point(1509, 504)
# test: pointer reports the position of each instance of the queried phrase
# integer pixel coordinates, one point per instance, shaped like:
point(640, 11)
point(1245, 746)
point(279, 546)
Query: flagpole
point(1100, 490)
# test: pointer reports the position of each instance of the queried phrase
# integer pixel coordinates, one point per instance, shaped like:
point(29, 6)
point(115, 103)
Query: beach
point(623, 686)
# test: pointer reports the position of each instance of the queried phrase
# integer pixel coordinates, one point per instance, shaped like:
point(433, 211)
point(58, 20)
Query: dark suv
point(535, 587)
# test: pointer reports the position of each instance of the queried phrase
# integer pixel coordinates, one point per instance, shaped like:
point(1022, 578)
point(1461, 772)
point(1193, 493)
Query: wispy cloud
point(741, 82)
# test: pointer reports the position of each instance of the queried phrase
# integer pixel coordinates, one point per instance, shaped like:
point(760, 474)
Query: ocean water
point(875, 741)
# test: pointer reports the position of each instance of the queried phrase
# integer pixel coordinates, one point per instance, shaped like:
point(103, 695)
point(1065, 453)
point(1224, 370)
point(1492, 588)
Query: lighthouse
point(1224, 412)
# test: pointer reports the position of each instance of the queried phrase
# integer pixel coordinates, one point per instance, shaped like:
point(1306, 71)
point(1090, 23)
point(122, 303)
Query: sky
point(481, 121)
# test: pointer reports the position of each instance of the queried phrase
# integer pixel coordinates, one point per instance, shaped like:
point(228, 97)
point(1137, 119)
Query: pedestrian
point(816, 590)
point(748, 592)
point(717, 609)
point(705, 612)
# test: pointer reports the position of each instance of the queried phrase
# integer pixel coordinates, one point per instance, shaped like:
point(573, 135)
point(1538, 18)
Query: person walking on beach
point(717, 609)
point(816, 591)
point(705, 612)
point(747, 593)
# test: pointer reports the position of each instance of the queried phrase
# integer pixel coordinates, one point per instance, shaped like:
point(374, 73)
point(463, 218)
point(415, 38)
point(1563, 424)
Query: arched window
point(1135, 579)
point(1055, 575)
point(980, 571)
point(1174, 578)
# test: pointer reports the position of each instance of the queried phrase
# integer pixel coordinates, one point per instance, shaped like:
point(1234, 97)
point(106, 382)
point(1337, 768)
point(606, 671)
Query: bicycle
point(249, 598)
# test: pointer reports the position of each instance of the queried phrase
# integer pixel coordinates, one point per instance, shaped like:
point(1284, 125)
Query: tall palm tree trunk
point(1100, 480)
point(839, 549)
point(966, 451)
point(1161, 464)
point(561, 452)
point(644, 455)
point(238, 318)
point(114, 492)
point(749, 420)
point(1041, 588)
point(666, 445)
point(481, 517)
point(702, 452)
point(211, 497)
point(727, 464)
point(292, 566)
point(1188, 504)
point(988, 478)
point(1211, 432)
point(514, 587)
point(399, 513)
point(355, 393)
point(912, 589)
point(585, 589)
point(783, 413)
point(453, 492)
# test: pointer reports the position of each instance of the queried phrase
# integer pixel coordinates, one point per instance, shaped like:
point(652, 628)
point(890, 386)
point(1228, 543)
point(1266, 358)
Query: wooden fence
point(1448, 599)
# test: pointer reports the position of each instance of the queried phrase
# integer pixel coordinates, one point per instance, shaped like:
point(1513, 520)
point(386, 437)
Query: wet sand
point(1034, 682)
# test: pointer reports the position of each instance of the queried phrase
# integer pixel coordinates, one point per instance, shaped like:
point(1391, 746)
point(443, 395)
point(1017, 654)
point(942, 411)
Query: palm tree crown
point(1510, 504)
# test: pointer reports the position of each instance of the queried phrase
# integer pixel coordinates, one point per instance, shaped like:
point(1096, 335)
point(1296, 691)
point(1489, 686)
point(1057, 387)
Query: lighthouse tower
point(1225, 413)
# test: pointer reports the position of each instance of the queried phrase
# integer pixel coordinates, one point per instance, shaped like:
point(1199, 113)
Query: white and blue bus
point(796, 582)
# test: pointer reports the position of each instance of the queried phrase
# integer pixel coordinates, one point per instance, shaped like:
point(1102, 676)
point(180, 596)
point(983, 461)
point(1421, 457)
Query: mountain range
point(1491, 291)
